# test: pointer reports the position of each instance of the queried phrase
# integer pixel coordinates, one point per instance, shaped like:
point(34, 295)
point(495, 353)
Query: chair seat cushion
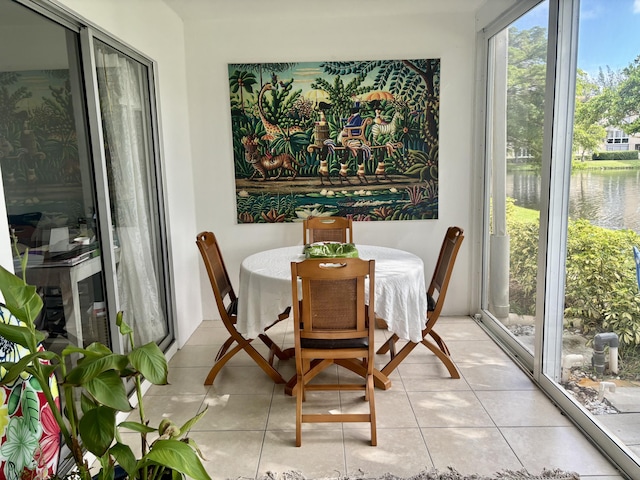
point(334, 344)
point(431, 303)
point(232, 308)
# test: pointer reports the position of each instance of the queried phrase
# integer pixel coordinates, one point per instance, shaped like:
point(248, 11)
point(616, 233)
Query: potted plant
point(97, 380)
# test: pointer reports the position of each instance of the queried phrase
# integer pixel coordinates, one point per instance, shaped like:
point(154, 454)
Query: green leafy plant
point(97, 380)
point(600, 290)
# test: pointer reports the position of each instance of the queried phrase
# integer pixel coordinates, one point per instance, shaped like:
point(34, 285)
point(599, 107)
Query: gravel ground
point(587, 396)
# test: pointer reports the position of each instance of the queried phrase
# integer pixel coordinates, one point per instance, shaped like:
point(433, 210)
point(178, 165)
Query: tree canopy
point(626, 106)
point(526, 72)
point(611, 98)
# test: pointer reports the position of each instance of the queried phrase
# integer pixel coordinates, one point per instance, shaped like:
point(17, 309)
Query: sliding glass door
point(47, 173)
point(80, 168)
point(559, 284)
point(517, 57)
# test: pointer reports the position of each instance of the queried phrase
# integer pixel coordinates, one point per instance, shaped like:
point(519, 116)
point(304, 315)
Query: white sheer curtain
point(123, 117)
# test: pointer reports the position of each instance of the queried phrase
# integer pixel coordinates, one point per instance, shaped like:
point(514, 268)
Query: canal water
point(607, 198)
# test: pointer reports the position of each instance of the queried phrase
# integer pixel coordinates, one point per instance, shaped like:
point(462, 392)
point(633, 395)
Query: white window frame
point(544, 365)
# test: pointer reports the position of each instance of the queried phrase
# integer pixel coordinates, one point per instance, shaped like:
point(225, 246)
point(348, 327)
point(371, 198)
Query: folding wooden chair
point(333, 325)
point(438, 288)
point(227, 303)
point(327, 229)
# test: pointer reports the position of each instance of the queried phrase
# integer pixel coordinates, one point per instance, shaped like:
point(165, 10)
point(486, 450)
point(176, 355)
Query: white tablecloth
point(265, 289)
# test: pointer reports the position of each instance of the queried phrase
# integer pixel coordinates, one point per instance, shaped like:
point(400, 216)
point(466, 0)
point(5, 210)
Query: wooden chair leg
point(217, 366)
point(398, 358)
point(277, 351)
point(262, 363)
point(387, 345)
point(436, 349)
point(253, 353)
point(299, 398)
point(372, 411)
point(444, 358)
point(440, 342)
point(381, 323)
point(225, 346)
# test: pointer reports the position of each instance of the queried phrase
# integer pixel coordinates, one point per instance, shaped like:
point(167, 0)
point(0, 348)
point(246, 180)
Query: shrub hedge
point(601, 291)
point(616, 155)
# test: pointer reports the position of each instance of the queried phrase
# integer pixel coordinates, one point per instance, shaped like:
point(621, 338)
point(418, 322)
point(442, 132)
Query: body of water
point(608, 198)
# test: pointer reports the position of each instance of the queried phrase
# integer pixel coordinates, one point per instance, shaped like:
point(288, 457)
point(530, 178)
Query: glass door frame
point(544, 365)
point(87, 36)
point(87, 33)
point(484, 132)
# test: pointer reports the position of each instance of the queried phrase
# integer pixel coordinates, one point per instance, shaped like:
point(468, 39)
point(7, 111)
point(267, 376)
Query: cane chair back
point(327, 229)
point(227, 303)
point(333, 324)
point(436, 294)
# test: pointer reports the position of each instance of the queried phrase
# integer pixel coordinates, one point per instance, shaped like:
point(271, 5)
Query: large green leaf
point(21, 299)
point(97, 429)
point(87, 403)
point(89, 353)
point(151, 362)
point(20, 335)
point(179, 456)
point(91, 368)
point(137, 427)
point(191, 422)
point(125, 457)
point(98, 349)
point(108, 389)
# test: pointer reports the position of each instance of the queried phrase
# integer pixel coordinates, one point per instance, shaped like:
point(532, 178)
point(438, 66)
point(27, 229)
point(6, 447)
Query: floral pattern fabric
point(29, 434)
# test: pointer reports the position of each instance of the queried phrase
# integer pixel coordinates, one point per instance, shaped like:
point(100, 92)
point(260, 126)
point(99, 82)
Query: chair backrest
point(327, 229)
point(218, 276)
point(333, 304)
point(442, 274)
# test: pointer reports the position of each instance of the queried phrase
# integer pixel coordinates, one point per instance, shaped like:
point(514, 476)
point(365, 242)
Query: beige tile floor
point(493, 418)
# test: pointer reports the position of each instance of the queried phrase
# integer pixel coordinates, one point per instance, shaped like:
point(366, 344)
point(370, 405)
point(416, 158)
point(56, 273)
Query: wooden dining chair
point(327, 229)
point(227, 303)
point(436, 294)
point(333, 325)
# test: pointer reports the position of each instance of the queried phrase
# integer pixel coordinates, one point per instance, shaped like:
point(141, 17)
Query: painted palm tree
point(261, 68)
point(240, 81)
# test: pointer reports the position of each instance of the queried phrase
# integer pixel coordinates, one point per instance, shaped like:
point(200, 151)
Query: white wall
point(342, 31)
point(152, 28)
point(197, 127)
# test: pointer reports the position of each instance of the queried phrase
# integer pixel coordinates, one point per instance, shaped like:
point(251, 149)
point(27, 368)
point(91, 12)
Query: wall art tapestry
point(353, 138)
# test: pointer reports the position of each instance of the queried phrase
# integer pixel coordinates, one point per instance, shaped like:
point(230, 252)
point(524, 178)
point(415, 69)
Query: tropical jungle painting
point(357, 139)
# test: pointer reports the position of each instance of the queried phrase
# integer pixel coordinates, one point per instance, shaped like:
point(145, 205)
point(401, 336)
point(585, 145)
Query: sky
point(609, 32)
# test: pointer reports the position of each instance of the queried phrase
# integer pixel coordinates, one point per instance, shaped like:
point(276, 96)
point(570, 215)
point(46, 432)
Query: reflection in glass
point(47, 177)
point(516, 98)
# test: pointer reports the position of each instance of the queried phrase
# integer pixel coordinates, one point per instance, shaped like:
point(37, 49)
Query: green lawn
point(586, 165)
point(605, 164)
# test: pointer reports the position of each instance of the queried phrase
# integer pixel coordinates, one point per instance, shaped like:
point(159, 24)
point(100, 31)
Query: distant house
point(619, 140)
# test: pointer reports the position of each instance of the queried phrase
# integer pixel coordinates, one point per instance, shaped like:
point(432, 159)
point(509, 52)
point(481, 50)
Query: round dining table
point(400, 299)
